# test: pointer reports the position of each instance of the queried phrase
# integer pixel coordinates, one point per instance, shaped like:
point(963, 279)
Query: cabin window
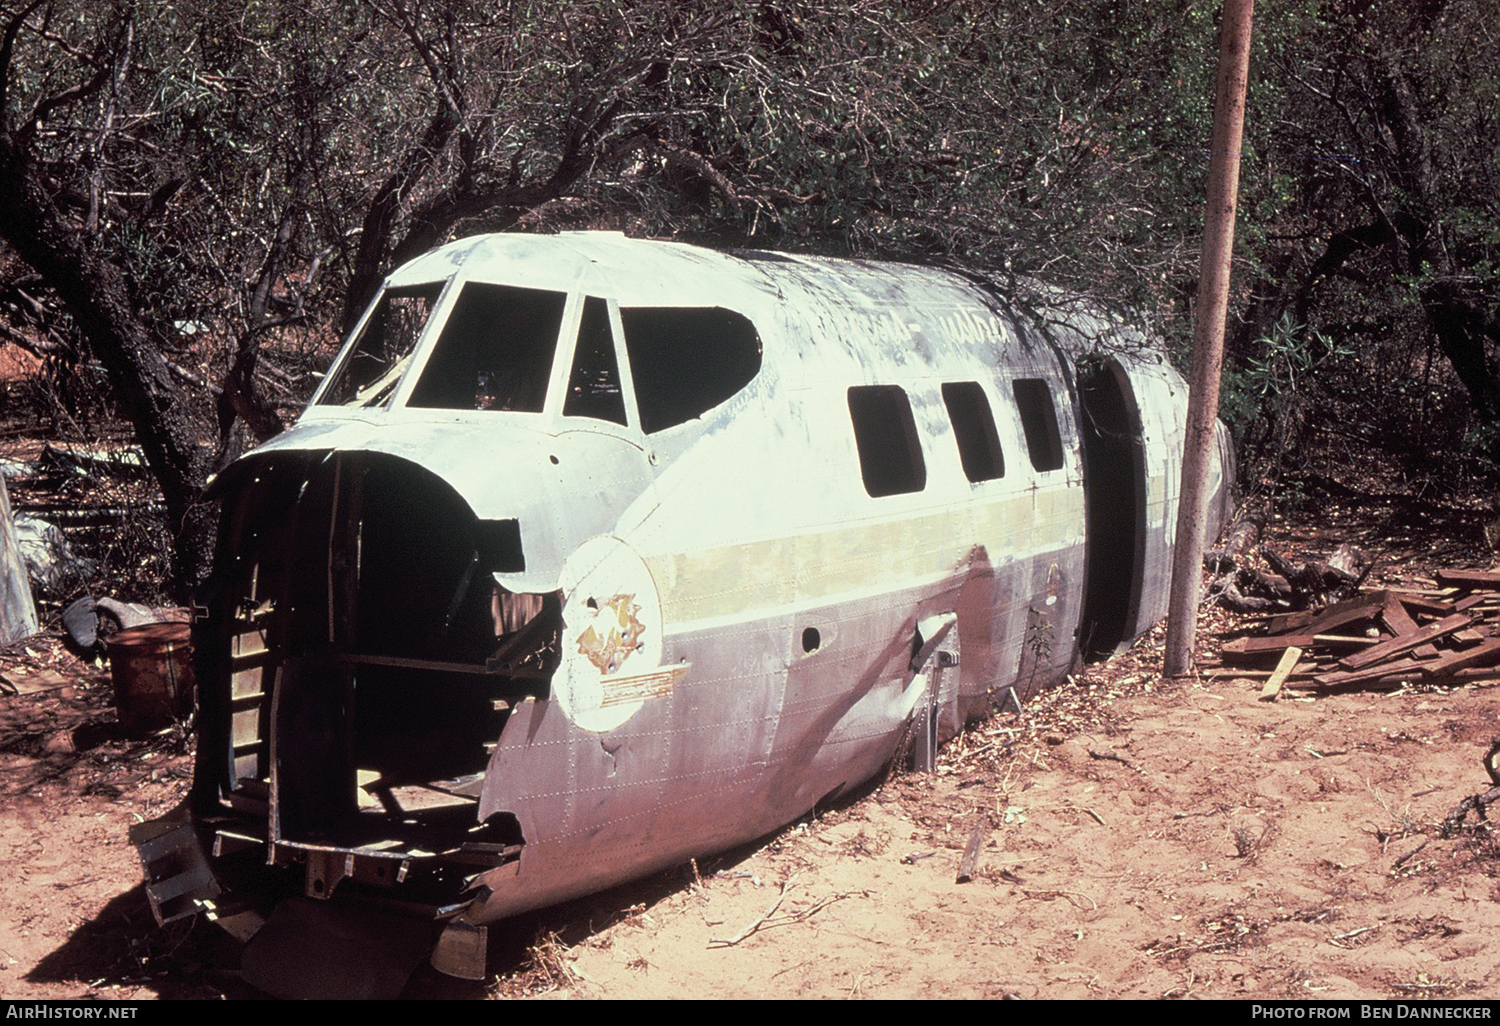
point(383, 350)
point(974, 430)
point(1039, 422)
point(495, 351)
point(594, 385)
point(687, 360)
point(890, 455)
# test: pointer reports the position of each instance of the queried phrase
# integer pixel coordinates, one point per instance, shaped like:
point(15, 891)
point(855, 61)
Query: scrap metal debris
point(85, 617)
point(52, 565)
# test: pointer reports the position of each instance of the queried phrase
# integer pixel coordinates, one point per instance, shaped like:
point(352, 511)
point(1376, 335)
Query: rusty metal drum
point(152, 669)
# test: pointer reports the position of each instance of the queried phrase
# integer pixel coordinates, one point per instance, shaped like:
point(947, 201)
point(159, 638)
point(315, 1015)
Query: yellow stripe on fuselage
point(750, 579)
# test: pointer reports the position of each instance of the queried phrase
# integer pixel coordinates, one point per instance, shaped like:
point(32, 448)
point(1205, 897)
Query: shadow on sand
point(193, 959)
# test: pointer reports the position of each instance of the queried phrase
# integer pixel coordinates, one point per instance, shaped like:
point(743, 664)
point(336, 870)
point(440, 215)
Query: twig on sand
point(1183, 992)
point(1409, 854)
point(747, 931)
point(789, 968)
point(1048, 895)
point(770, 918)
point(1335, 941)
point(1085, 809)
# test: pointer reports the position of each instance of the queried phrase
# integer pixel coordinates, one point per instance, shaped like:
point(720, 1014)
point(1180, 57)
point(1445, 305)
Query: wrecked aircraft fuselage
point(591, 555)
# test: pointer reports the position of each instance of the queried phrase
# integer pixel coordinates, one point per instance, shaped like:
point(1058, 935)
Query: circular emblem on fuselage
point(612, 635)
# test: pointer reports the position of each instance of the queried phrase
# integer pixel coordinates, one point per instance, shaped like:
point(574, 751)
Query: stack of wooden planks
point(1449, 634)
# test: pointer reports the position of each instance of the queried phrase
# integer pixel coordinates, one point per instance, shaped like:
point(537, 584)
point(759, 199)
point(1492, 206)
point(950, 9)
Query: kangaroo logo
point(613, 634)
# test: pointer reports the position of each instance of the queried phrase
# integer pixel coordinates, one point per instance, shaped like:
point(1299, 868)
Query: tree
point(181, 178)
point(1376, 204)
point(206, 195)
point(52, 191)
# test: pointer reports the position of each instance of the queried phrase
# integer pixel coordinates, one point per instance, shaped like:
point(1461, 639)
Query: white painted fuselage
point(706, 616)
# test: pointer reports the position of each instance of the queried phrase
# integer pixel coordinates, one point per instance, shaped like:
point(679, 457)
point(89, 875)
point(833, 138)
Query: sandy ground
point(1240, 849)
point(1140, 839)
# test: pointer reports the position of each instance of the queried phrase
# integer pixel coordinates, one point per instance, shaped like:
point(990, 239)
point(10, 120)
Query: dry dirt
point(1144, 839)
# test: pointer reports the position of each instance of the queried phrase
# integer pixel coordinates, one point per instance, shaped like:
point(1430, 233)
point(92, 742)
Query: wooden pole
point(1208, 332)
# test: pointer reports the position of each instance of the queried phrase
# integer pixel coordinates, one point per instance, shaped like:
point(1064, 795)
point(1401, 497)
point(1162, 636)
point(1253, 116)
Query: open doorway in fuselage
point(1114, 482)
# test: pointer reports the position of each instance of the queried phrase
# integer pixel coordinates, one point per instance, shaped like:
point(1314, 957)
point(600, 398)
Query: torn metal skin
point(591, 555)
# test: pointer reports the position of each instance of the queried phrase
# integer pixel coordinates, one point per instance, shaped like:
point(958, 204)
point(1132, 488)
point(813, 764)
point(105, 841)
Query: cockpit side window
point(594, 385)
point(687, 360)
point(384, 348)
point(495, 351)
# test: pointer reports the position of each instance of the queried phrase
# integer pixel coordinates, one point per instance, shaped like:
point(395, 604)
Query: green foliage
point(236, 160)
point(1269, 394)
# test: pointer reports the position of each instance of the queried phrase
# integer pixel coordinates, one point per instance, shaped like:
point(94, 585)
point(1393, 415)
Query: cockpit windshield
point(384, 348)
point(497, 346)
point(495, 351)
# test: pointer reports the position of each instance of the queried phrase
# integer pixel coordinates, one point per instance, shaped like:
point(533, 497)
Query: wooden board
point(1344, 642)
point(1469, 578)
point(1428, 606)
point(1261, 651)
point(1410, 667)
point(1360, 607)
point(1278, 677)
point(1405, 643)
point(1400, 622)
point(1486, 653)
point(1474, 675)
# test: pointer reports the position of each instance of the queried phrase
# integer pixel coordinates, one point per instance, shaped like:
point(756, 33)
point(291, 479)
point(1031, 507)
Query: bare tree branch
point(81, 91)
point(7, 53)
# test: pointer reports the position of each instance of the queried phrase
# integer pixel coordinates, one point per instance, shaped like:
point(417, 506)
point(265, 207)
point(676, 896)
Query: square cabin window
point(687, 360)
point(890, 453)
point(974, 430)
point(1039, 422)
